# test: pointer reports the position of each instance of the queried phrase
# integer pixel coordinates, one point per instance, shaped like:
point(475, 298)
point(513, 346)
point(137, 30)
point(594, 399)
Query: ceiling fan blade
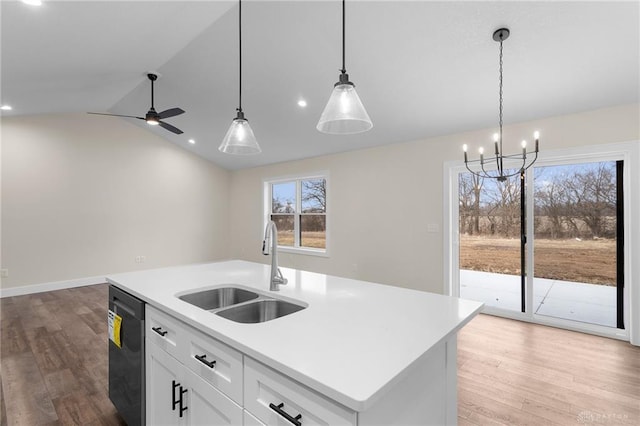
point(170, 113)
point(170, 128)
point(116, 115)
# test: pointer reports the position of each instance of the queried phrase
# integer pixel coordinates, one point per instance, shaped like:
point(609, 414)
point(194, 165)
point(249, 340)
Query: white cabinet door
point(207, 406)
point(163, 386)
point(249, 420)
point(177, 396)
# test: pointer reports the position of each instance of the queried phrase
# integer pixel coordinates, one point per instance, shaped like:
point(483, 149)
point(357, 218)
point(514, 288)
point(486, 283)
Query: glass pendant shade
point(344, 113)
point(240, 139)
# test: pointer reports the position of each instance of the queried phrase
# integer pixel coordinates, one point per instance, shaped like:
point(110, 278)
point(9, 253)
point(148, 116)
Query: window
point(298, 206)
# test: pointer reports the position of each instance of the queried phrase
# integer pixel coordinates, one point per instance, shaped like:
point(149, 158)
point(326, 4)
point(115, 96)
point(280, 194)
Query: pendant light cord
point(239, 56)
point(344, 69)
point(501, 95)
point(500, 164)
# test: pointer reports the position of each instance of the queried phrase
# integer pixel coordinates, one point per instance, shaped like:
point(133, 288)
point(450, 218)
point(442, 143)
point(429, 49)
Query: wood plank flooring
point(54, 359)
point(511, 372)
point(54, 363)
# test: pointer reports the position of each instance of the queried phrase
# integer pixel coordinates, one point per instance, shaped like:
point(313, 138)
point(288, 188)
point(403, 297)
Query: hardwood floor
point(511, 372)
point(54, 359)
point(54, 368)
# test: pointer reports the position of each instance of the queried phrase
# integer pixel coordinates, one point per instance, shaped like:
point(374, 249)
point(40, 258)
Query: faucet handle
point(281, 279)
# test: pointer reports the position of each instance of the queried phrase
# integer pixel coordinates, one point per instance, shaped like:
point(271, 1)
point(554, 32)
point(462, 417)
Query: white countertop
point(352, 343)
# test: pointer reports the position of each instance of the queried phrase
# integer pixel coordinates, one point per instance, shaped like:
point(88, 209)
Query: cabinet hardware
point(173, 394)
point(203, 359)
point(182, 408)
point(159, 331)
point(297, 420)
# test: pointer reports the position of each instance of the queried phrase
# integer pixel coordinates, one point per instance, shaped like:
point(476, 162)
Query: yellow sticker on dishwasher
point(114, 321)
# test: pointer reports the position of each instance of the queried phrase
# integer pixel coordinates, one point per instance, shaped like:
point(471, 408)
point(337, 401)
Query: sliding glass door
point(490, 225)
point(561, 257)
point(577, 244)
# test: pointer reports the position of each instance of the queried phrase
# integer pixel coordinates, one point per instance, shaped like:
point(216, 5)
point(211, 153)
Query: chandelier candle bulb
point(497, 150)
point(481, 150)
point(524, 148)
point(536, 136)
point(464, 148)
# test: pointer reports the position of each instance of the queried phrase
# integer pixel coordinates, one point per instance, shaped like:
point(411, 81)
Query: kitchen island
point(364, 353)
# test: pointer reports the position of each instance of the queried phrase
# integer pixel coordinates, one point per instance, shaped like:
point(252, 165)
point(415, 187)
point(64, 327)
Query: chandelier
point(515, 163)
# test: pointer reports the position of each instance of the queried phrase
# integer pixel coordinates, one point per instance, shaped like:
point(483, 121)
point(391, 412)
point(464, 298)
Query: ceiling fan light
point(344, 113)
point(240, 139)
point(152, 121)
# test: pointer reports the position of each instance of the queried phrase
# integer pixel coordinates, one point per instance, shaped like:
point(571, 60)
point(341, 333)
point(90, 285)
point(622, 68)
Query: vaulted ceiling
point(422, 68)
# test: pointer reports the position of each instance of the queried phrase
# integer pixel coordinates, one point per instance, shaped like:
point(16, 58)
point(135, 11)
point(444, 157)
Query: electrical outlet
point(143, 259)
point(137, 259)
point(4, 273)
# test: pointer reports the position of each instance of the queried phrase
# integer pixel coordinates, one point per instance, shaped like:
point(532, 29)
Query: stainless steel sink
point(217, 298)
point(260, 311)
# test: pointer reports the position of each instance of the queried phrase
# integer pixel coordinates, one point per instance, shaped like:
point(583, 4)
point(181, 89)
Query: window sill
point(304, 251)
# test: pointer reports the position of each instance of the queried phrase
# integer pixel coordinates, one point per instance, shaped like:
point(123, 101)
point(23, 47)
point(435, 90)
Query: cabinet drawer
point(215, 362)
point(265, 391)
point(165, 331)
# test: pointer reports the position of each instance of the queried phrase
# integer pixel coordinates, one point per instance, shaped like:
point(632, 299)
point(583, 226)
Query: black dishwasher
point(126, 356)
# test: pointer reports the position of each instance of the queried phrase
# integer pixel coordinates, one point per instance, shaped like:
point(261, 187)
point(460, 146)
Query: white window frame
point(629, 152)
point(268, 196)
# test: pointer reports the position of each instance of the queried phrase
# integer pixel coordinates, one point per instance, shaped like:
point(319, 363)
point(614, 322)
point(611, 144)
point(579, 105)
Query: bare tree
point(314, 192)
point(469, 191)
point(592, 197)
point(503, 207)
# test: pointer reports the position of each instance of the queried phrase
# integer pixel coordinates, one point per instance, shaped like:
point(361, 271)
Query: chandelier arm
point(534, 160)
point(499, 161)
point(477, 173)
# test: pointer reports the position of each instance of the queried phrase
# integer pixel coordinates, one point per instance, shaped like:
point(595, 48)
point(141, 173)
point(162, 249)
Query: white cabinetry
point(187, 374)
point(193, 379)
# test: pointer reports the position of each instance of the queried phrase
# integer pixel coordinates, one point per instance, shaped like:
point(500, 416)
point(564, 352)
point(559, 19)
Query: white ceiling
point(422, 68)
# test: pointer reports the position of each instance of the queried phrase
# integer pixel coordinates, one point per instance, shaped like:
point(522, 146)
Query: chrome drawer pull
point(202, 359)
point(297, 420)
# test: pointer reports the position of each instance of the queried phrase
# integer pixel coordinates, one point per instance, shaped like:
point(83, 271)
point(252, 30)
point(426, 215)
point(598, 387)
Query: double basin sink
point(240, 305)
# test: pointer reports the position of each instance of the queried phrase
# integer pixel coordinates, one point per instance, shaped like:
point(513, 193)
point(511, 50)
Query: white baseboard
point(56, 285)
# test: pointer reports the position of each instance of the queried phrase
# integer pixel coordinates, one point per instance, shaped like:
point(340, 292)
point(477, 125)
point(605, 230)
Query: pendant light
point(521, 161)
point(240, 139)
point(344, 113)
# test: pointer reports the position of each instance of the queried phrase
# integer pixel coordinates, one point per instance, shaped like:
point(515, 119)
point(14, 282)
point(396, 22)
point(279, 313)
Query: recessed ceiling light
point(192, 141)
point(32, 2)
point(302, 103)
point(6, 107)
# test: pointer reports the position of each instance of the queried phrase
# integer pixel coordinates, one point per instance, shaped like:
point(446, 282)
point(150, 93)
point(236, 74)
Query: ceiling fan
point(152, 117)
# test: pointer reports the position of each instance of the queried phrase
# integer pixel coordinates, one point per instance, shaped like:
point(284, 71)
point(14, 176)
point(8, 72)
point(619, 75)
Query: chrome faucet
point(270, 247)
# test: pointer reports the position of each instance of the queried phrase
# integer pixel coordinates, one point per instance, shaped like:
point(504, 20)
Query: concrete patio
point(589, 303)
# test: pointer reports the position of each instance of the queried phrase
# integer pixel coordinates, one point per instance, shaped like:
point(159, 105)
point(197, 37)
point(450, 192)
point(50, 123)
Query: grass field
point(309, 239)
point(586, 261)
